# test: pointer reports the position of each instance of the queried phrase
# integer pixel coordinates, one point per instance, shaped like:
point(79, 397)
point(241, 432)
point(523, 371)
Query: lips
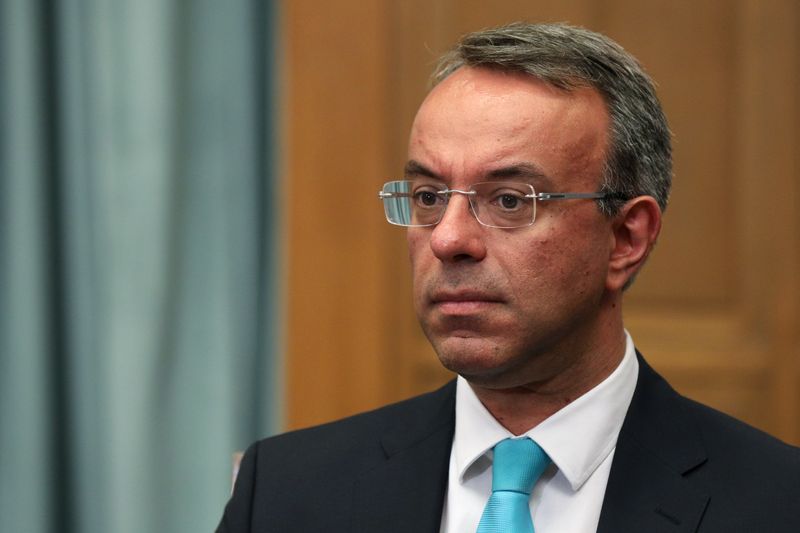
point(463, 301)
point(463, 296)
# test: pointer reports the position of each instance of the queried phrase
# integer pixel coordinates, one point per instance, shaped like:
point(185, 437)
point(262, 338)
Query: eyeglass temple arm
point(568, 195)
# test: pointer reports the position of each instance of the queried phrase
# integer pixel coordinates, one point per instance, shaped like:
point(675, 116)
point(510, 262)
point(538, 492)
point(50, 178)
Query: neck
point(521, 408)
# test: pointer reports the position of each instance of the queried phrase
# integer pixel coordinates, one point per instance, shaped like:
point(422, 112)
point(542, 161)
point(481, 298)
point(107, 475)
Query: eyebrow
point(415, 168)
point(527, 171)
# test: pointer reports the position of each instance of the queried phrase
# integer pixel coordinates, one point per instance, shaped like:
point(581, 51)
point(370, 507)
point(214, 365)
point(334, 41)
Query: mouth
point(463, 302)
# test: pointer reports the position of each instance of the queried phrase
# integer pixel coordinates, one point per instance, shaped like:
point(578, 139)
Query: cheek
point(419, 255)
point(583, 261)
point(556, 263)
point(417, 243)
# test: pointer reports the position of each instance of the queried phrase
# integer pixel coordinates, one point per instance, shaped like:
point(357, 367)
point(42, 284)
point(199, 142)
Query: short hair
point(639, 160)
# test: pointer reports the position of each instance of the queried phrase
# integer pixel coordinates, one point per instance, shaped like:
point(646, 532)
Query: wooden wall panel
point(716, 309)
point(335, 135)
point(688, 48)
point(768, 140)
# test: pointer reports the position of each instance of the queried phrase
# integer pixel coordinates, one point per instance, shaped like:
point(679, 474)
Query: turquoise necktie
point(517, 465)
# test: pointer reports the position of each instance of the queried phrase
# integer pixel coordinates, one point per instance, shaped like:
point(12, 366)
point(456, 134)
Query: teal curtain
point(138, 333)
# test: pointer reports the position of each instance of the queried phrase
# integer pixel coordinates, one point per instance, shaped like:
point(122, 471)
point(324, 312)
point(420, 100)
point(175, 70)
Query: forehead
point(480, 120)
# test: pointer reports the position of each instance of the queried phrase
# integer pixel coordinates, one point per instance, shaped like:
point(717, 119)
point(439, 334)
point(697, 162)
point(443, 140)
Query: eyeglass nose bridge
point(448, 193)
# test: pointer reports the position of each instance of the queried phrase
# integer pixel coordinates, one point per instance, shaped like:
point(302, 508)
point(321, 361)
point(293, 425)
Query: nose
point(458, 236)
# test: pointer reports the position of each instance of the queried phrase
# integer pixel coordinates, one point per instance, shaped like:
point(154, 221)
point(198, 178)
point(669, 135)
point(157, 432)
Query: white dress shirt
point(580, 439)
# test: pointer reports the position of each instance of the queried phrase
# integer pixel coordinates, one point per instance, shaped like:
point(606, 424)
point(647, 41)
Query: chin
point(473, 358)
point(484, 376)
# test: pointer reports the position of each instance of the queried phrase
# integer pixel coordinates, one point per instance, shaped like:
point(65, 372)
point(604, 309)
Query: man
point(538, 169)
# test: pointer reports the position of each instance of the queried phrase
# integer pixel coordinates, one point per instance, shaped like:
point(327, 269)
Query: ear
point(635, 230)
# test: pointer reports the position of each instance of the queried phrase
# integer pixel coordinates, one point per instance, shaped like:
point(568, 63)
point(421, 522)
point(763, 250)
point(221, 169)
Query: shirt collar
point(577, 438)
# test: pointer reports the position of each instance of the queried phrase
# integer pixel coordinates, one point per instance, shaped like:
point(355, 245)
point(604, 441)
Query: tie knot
point(517, 465)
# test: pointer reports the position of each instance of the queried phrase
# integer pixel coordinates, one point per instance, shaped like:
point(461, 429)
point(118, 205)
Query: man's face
point(511, 307)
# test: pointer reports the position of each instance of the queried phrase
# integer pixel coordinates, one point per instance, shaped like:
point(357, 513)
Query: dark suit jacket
point(679, 467)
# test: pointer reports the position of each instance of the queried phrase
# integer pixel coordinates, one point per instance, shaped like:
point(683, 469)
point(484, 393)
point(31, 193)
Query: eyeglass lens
point(495, 204)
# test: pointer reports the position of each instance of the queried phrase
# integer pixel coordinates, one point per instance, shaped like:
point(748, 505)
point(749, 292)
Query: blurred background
point(193, 256)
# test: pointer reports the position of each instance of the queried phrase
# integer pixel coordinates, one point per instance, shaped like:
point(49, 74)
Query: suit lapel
point(647, 488)
point(406, 491)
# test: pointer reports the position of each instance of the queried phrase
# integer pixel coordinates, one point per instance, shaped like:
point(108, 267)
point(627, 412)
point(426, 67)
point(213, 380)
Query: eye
point(426, 197)
point(508, 200)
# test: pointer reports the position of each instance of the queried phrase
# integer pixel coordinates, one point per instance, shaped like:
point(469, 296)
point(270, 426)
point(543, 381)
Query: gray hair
point(639, 161)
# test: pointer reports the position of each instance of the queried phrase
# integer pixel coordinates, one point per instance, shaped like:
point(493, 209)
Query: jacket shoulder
point(702, 466)
point(323, 462)
point(755, 452)
point(663, 415)
point(413, 418)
